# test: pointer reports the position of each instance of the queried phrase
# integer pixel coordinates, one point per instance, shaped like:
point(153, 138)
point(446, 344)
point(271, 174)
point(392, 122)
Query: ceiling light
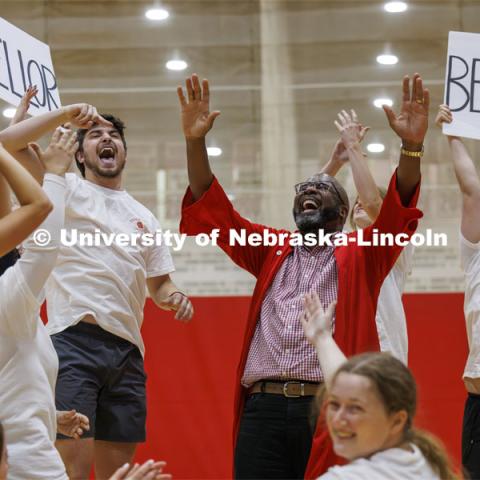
point(379, 102)
point(387, 59)
point(157, 14)
point(395, 7)
point(176, 65)
point(9, 112)
point(214, 151)
point(376, 147)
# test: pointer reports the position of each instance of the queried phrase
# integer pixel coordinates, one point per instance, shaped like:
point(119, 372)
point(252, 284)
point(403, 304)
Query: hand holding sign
point(82, 115)
point(412, 123)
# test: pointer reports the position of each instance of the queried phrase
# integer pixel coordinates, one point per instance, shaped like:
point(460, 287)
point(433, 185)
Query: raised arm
point(197, 120)
point(411, 126)
point(352, 133)
point(16, 226)
point(339, 155)
point(317, 325)
point(24, 105)
point(27, 156)
point(38, 260)
point(467, 178)
point(16, 137)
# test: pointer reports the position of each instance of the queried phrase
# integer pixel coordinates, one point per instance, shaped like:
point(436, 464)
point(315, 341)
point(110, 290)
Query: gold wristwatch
point(409, 153)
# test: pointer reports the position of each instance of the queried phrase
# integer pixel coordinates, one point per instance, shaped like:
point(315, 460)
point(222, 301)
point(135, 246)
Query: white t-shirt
point(391, 464)
point(28, 361)
point(108, 282)
point(470, 259)
point(390, 317)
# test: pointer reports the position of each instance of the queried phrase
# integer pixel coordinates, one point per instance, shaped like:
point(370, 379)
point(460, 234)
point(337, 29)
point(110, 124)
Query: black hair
point(8, 260)
point(117, 124)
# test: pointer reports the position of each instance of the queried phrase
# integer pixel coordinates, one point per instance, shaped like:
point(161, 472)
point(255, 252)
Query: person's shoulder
point(357, 470)
point(73, 180)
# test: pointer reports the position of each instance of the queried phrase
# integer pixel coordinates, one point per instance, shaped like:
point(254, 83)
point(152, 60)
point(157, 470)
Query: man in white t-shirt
point(469, 184)
point(95, 300)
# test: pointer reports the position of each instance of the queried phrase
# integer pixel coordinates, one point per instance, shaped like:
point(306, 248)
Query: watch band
point(409, 153)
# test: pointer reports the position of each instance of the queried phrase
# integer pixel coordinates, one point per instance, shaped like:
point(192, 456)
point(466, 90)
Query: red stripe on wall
point(191, 370)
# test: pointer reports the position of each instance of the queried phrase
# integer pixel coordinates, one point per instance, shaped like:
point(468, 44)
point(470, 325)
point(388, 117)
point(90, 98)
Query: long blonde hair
point(397, 389)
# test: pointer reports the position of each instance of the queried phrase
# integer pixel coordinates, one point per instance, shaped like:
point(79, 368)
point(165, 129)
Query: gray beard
point(313, 222)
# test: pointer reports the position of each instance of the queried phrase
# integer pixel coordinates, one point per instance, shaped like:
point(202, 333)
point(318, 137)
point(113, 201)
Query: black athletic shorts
point(102, 376)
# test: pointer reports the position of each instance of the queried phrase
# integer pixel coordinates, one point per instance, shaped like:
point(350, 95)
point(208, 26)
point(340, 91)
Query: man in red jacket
point(278, 373)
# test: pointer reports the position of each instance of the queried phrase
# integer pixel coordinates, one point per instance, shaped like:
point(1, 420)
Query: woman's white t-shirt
point(470, 259)
point(28, 361)
point(390, 316)
point(391, 464)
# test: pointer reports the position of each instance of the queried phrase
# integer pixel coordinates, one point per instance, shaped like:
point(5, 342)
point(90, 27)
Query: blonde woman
point(370, 405)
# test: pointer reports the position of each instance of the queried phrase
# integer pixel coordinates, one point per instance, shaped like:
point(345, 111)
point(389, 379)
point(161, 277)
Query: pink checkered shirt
point(279, 349)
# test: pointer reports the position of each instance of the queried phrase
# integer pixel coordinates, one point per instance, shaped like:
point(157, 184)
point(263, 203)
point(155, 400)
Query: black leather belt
point(290, 389)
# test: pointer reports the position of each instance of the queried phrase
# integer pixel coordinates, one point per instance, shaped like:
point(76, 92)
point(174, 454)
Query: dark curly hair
point(118, 125)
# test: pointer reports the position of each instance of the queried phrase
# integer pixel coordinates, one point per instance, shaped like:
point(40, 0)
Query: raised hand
point(315, 320)
point(72, 424)
point(444, 115)
point(82, 115)
point(150, 470)
point(351, 131)
point(412, 122)
point(179, 303)
point(59, 154)
point(24, 105)
point(197, 119)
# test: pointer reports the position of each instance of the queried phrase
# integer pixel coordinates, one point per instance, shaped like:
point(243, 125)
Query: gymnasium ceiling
point(107, 53)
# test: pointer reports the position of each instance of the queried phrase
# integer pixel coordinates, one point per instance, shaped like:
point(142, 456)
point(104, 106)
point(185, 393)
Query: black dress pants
point(471, 436)
point(275, 437)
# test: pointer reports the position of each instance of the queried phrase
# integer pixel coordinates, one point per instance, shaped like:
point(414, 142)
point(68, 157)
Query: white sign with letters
point(462, 84)
point(25, 61)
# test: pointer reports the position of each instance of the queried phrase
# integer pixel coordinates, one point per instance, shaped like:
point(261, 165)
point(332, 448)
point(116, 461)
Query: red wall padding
point(191, 376)
point(191, 369)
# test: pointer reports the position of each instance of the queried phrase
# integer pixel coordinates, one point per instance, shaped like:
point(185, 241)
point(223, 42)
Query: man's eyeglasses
point(304, 186)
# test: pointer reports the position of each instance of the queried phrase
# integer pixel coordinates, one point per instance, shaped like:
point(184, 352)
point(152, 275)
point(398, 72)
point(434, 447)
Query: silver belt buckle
point(285, 389)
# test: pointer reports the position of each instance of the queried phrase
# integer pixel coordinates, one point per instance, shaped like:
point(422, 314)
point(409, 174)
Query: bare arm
point(317, 325)
point(337, 159)
point(467, 178)
point(352, 133)
point(197, 120)
point(16, 226)
point(27, 156)
point(411, 126)
point(16, 137)
point(168, 296)
point(38, 261)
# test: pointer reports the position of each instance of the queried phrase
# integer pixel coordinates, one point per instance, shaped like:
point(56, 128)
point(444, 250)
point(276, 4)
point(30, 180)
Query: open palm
point(197, 119)
point(412, 122)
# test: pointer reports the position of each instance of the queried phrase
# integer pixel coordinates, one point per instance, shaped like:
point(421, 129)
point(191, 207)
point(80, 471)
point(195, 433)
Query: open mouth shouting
point(107, 156)
point(309, 205)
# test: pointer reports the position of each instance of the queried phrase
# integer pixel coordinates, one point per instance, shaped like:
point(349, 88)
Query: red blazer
point(361, 271)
